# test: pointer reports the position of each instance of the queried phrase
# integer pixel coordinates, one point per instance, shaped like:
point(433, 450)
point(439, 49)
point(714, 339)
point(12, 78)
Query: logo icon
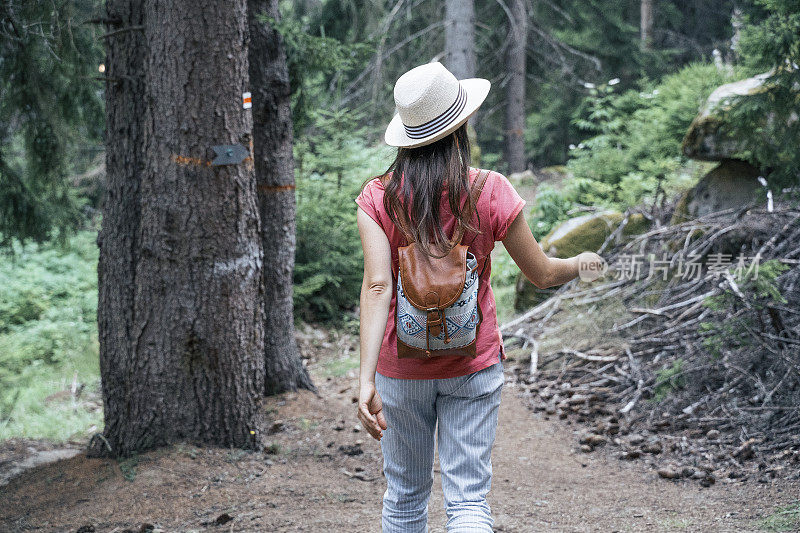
point(591, 269)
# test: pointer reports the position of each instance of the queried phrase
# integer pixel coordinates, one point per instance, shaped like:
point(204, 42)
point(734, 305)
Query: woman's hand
point(591, 266)
point(370, 410)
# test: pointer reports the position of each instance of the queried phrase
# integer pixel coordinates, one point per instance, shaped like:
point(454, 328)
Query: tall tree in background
point(459, 38)
point(646, 23)
point(515, 88)
point(459, 51)
point(50, 109)
point(181, 312)
point(274, 165)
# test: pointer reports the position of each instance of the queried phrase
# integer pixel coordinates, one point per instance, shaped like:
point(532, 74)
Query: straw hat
point(432, 103)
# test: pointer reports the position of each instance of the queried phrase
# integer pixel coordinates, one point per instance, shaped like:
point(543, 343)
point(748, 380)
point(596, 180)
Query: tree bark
point(646, 24)
point(272, 152)
point(515, 88)
point(459, 41)
point(180, 305)
point(459, 37)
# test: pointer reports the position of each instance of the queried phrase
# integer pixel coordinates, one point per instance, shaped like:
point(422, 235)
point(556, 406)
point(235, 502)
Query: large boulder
point(730, 184)
point(709, 137)
point(588, 232)
point(733, 183)
point(571, 237)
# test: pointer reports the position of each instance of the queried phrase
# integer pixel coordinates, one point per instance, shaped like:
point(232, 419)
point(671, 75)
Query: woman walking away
point(431, 349)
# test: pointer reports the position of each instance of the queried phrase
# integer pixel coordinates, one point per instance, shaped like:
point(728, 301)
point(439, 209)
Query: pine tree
point(515, 88)
point(770, 41)
point(50, 106)
point(181, 300)
point(274, 167)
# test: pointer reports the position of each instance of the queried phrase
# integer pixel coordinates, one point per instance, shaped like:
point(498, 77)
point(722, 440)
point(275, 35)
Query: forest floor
point(321, 472)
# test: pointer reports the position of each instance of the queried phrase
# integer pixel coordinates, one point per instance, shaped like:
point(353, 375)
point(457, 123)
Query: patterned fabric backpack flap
point(437, 297)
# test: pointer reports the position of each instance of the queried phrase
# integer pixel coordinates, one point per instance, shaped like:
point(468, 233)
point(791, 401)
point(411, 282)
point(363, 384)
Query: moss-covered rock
point(588, 232)
point(681, 212)
point(576, 235)
point(709, 137)
point(730, 184)
point(556, 170)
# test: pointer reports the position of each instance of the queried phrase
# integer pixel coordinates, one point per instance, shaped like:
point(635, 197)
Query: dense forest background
point(609, 89)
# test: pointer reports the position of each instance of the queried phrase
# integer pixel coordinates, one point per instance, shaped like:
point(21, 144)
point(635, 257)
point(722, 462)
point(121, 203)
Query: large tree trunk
point(180, 310)
point(459, 44)
point(459, 37)
point(272, 151)
point(515, 89)
point(646, 23)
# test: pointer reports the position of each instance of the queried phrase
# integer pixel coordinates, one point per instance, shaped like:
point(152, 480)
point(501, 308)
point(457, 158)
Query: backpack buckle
point(435, 317)
point(437, 322)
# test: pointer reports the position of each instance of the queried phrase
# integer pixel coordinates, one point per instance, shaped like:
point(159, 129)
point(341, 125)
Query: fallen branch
point(588, 357)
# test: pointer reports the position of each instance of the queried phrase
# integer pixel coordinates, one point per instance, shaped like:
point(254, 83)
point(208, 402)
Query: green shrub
point(328, 259)
point(551, 208)
point(668, 379)
point(503, 280)
point(634, 146)
point(768, 118)
point(637, 136)
point(783, 518)
point(48, 335)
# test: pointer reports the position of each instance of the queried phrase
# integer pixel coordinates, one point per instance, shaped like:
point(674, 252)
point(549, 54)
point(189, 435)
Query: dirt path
point(322, 475)
point(542, 482)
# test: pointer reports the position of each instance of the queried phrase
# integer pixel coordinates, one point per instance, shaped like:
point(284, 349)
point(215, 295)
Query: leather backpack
point(437, 311)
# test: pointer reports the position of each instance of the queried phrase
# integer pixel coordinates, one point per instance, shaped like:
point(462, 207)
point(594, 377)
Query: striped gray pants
point(466, 409)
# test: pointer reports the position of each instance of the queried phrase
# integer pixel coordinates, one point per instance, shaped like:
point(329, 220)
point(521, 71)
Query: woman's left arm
point(376, 297)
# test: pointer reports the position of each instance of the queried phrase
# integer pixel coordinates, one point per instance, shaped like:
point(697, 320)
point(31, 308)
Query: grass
point(341, 366)
point(48, 338)
point(235, 455)
point(675, 522)
point(188, 450)
point(273, 448)
point(59, 421)
point(786, 518)
point(340, 497)
point(308, 425)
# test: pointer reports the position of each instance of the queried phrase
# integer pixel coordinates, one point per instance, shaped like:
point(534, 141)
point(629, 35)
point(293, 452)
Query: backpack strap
point(472, 203)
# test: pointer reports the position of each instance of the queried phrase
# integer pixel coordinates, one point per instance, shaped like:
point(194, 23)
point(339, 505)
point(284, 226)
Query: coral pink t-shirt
point(498, 206)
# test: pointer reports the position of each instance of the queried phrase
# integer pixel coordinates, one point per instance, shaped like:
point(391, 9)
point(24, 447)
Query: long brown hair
point(427, 170)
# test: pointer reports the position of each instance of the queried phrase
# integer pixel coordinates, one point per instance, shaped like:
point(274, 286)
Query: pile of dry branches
point(714, 355)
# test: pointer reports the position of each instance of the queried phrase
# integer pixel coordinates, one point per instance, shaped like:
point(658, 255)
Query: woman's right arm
point(541, 270)
point(375, 300)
